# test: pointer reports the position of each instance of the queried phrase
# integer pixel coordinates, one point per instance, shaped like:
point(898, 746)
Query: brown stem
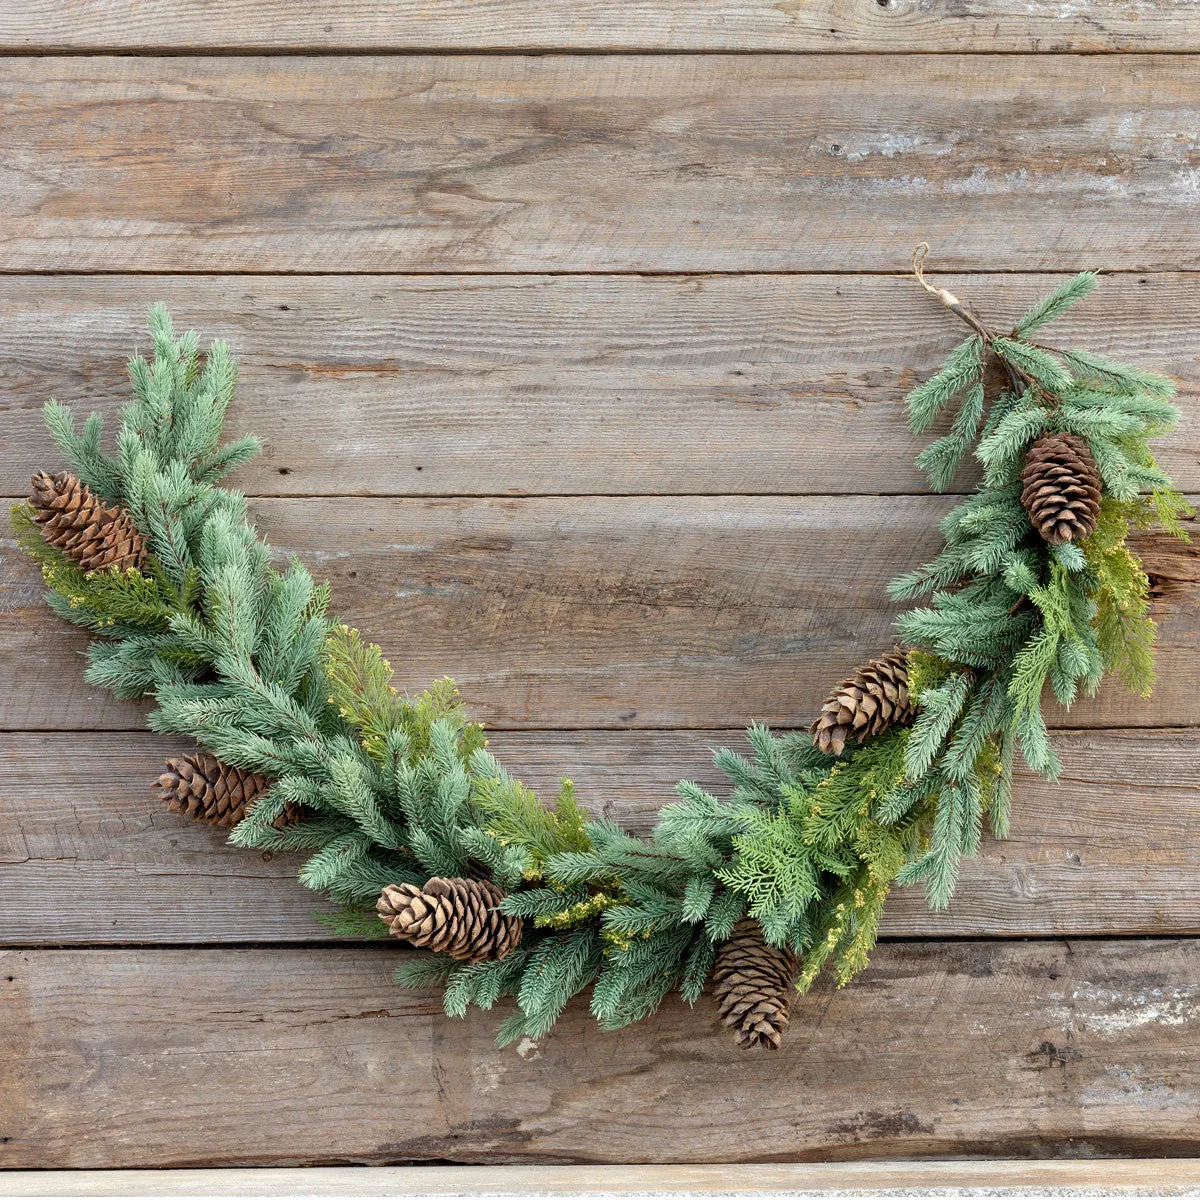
point(1019, 379)
point(1016, 376)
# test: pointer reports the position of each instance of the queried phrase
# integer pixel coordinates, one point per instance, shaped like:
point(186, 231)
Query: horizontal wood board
point(849, 26)
point(297, 1055)
point(1112, 848)
point(603, 612)
point(478, 385)
point(598, 163)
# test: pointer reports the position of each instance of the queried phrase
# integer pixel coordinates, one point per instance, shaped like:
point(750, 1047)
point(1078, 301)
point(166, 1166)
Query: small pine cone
point(457, 917)
point(872, 700)
point(1061, 487)
point(752, 983)
point(201, 786)
point(76, 521)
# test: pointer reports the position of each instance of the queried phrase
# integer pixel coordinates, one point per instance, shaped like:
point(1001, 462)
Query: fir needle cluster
point(380, 791)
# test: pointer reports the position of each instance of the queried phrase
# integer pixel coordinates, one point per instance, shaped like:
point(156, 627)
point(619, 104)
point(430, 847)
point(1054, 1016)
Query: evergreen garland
point(379, 789)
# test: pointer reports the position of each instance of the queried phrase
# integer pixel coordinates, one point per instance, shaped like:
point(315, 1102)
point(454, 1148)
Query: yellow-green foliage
point(849, 932)
point(514, 815)
point(783, 863)
point(883, 849)
point(853, 921)
point(989, 770)
point(579, 913)
point(858, 928)
point(1033, 662)
point(440, 701)
point(927, 671)
point(846, 927)
point(1170, 510)
point(360, 685)
point(1124, 631)
point(1164, 506)
point(103, 599)
point(360, 688)
point(841, 806)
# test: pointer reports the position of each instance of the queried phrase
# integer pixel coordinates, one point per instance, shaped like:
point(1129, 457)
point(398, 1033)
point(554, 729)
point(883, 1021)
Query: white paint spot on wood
point(856, 147)
point(528, 1049)
point(1112, 1013)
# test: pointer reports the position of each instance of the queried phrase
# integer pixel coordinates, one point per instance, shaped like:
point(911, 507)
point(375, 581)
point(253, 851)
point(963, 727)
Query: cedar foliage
point(389, 789)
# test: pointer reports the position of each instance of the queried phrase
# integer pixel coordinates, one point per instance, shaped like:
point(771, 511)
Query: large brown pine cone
point(75, 520)
point(872, 700)
point(457, 917)
point(201, 786)
point(752, 983)
point(1061, 487)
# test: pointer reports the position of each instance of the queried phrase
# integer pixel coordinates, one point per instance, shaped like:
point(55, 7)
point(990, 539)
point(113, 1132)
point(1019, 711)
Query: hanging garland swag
point(416, 831)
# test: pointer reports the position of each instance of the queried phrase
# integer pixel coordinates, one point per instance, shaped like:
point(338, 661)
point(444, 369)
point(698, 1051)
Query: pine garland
point(384, 790)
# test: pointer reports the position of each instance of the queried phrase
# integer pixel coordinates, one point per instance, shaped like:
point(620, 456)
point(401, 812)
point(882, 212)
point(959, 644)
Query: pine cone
point(752, 984)
point(75, 520)
point(201, 786)
point(1061, 487)
point(457, 917)
point(872, 700)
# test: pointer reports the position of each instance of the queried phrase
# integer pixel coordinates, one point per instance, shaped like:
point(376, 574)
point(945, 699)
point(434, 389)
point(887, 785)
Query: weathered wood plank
point(940, 1049)
point(1110, 849)
point(691, 162)
point(833, 25)
point(1151, 1177)
point(642, 612)
point(476, 385)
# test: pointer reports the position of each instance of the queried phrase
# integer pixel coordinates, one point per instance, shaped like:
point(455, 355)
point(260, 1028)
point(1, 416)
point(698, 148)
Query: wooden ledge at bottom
point(1083, 1177)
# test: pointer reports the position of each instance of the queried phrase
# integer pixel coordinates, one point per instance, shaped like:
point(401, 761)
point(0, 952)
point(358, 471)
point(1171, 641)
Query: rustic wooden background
point(576, 333)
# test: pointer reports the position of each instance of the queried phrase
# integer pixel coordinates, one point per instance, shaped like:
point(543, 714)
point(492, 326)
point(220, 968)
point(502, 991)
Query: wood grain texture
point(632, 612)
point(478, 385)
point(595, 163)
point(833, 25)
point(1152, 1177)
point(940, 1049)
point(1111, 849)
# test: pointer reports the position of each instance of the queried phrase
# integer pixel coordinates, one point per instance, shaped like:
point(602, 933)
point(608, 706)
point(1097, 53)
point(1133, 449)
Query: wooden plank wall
point(576, 333)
